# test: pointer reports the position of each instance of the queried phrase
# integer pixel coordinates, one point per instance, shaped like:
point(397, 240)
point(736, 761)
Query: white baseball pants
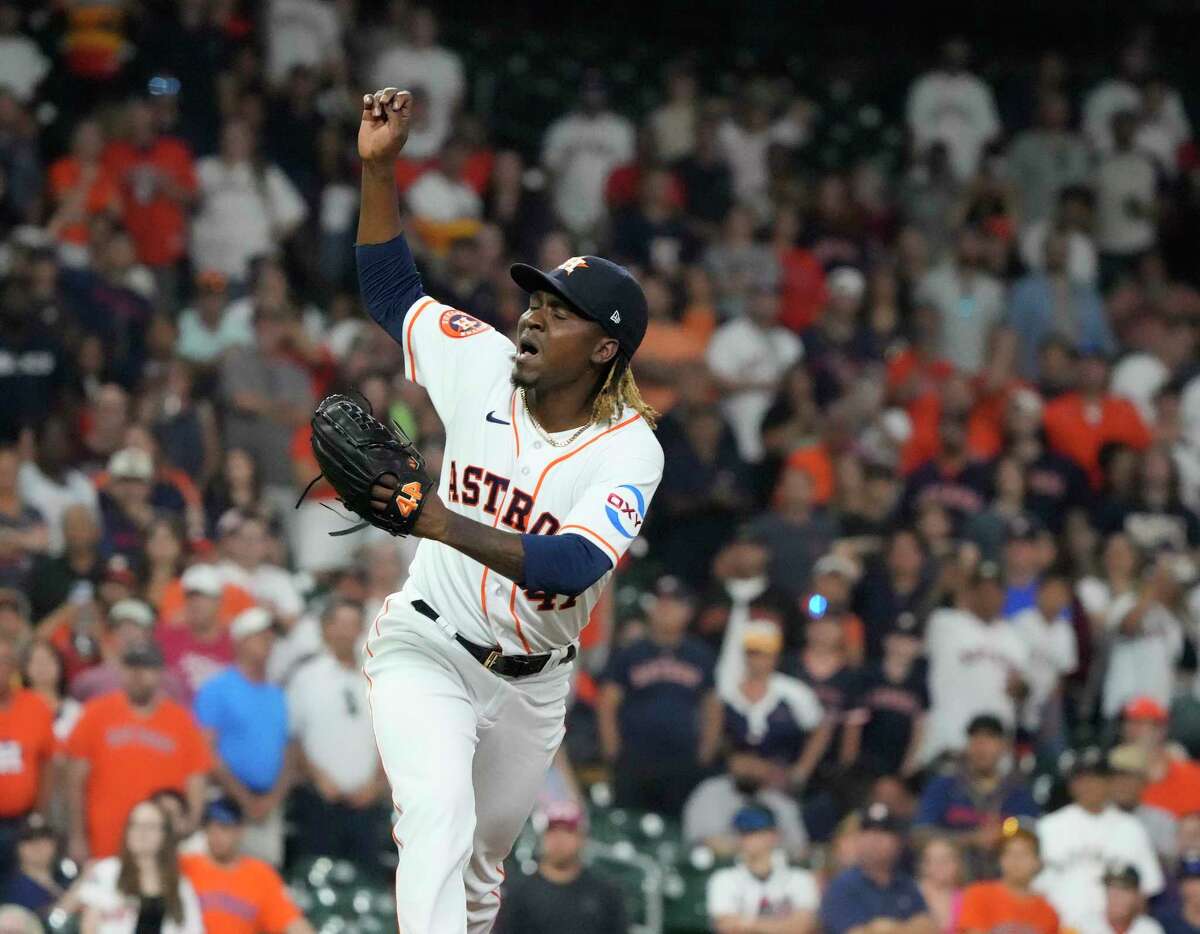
point(465, 752)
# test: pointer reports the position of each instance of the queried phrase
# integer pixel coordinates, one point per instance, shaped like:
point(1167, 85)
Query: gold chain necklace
point(541, 431)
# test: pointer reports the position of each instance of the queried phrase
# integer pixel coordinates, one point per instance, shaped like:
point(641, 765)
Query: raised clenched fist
point(384, 127)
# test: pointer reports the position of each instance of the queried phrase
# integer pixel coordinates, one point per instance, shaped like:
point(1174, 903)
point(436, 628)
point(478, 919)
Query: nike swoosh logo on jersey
point(491, 417)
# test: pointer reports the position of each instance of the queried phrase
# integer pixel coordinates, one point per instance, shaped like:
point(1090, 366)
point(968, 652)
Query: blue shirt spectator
point(1045, 303)
point(659, 713)
point(249, 722)
point(245, 714)
point(875, 888)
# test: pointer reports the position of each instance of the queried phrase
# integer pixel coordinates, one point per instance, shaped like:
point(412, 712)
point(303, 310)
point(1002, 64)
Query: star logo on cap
point(615, 317)
point(575, 262)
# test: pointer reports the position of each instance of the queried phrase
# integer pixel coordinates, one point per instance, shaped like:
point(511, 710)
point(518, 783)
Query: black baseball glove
point(374, 468)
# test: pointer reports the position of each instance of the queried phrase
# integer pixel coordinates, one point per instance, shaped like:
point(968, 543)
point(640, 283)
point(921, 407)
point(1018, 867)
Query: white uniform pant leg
point(515, 751)
point(426, 727)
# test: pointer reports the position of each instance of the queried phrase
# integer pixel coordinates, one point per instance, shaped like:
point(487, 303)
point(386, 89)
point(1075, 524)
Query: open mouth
point(526, 350)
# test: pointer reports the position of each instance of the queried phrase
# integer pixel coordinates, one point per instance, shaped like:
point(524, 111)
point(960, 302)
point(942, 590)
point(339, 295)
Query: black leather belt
point(491, 658)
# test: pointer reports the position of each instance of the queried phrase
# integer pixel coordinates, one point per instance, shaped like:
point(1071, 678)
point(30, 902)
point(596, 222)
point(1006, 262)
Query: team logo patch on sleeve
point(626, 508)
point(457, 324)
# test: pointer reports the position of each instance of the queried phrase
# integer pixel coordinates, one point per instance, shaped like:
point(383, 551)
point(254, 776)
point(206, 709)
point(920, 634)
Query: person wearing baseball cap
point(129, 621)
point(246, 716)
point(762, 884)
point(1082, 838)
point(202, 646)
point(973, 801)
point(563, 887)
point(659, 713)
point(1130, 765)
point(1172, 777)
point(238, 894)
point(797, 732)
point(1185, 917)
point(1123, 908)
point(877, 889)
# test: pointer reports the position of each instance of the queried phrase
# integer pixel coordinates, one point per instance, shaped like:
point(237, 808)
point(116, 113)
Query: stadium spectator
point(1130, 765)
point(245, 719)
point(301, 32)
point(156, 178)
point(1081, 840)
point(796, 531)
point(1126, 201)
point(952, 106)
point(563, 891)
point(659, 712)
point(50, 480)
point(26, 744)
point(1010, 899)
point(126, 746)
point(201, 647)
point(776, 715)
point(444, 206)
point(709, 811)
point(977, 663)
point(206, 329)
point(580, 149)
point(23, 531)
point(44, 673)
point(81, 187)
point(1145, 639)
point(420, 61)
point(972, 803)
point(1048, 632)
point(36, 882)
point(24, 66)
point(1046, 159)
point(706, 179)
point(1123, 906)
point(1186, 918)
point(968, 299)
point(1048, 301)
point(266, 396)
point(328, 714)
point(248, 208)
point(885, 732)
point(940, 877)
point(762, 888)
point(876, 890)
point(1173, 777)
point(140, 889)
point(238, 894)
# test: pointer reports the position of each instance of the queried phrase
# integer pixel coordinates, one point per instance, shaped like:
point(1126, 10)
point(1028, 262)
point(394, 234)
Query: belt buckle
point(493, 657)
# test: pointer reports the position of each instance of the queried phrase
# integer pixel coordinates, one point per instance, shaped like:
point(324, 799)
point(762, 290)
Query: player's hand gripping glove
point(360, 456)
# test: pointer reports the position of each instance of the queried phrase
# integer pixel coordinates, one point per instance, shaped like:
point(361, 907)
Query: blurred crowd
point(920, 577)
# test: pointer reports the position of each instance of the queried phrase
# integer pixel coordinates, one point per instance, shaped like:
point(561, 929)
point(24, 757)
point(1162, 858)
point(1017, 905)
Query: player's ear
point(606, 348)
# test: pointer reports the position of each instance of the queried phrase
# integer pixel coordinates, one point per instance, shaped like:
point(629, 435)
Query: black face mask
point(746, 785)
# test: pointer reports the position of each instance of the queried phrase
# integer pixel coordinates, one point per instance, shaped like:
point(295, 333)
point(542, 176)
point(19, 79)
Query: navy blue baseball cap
point(223, 811)
point(595, 288)
point(1189, 865)
point(753, 818)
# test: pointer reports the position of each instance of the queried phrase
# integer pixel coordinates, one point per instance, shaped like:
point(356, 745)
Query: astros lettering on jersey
point(498, 470)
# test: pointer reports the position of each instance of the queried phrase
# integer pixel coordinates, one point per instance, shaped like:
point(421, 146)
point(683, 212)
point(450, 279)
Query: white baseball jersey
point(497, 469)
point(737, 891)
point(969, 665)
point(1077, 849)
point(1143, 664)
point(1053, 654)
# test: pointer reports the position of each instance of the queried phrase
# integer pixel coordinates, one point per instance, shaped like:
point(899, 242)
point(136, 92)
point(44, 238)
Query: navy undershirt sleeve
point(564, 564)
point(389, 282)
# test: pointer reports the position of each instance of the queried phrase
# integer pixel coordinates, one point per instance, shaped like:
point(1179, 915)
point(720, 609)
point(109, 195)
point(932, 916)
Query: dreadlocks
point(620, 390)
